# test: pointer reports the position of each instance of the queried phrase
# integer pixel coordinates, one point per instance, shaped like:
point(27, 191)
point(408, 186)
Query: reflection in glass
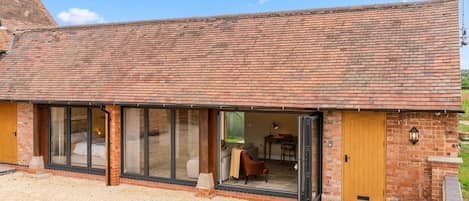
point(133, 141)
point(79, 136)
point(58, 135)
point(98, 146)
point(187, 144)
point(159, 142)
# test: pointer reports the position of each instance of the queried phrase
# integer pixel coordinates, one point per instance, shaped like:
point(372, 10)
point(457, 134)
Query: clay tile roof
point(391, 56)
point(24, 14)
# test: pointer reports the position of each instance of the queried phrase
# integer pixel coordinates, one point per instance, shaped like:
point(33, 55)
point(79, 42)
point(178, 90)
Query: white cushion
point(192, 168)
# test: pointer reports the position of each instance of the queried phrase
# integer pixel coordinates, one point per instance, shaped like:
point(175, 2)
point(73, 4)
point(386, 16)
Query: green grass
point(232, 139)
point(465, 78)
point(464, 171)
point(465, 107)
point(462, 127)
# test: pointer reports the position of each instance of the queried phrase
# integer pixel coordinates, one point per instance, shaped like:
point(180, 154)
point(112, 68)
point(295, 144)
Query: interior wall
point(98, 119)
point(259, 125)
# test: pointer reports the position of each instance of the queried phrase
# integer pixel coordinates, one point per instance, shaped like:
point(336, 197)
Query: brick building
point(351, 103)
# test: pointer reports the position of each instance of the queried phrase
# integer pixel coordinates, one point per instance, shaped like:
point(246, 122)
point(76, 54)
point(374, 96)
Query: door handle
point(346, 158)
point(14, 133)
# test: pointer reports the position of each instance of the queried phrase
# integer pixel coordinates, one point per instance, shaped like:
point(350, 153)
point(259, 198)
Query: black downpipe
point(102, 108)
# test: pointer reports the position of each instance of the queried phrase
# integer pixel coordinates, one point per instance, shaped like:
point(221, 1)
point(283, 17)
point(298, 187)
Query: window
point(161, 144)
point(76, 139)
point(98, 146)
point(234, 127)
point(187, 144)
point(58, 132)
point(79, 136)
point(133, 141)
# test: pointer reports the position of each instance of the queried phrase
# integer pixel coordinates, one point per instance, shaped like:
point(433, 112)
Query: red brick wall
point(332, 156)
point(25, 130)
point(408, 172)
point(115, 134)
point(439, 171)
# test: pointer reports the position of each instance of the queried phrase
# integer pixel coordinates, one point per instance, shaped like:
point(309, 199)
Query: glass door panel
point(159, 142)
point(79, 136)
point(98, 145)
point(187, 144)
point(133, 141)
point(58, 138)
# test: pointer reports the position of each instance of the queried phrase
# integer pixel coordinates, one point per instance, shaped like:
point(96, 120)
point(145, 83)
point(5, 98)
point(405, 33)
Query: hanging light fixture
point(414, 135)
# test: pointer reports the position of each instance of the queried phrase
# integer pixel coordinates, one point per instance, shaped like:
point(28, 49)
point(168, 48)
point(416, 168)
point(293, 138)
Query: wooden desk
point(276, 139)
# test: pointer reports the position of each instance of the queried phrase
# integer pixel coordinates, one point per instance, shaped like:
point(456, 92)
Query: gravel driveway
point(27, 187)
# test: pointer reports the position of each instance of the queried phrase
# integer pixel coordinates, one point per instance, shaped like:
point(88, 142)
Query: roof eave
point(229, 107)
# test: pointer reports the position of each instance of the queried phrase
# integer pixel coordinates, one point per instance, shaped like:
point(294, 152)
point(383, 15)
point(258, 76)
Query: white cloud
point(262, 1)
point(74, 16)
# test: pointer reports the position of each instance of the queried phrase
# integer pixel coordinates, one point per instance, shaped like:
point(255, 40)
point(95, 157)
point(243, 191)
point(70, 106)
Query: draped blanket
point(235, 162)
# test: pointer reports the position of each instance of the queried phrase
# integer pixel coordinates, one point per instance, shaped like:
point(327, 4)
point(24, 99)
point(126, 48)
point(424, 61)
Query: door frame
point(343, 150)
point(302, 129)
point(67, 166)
point(146, 176)
point(269, 192)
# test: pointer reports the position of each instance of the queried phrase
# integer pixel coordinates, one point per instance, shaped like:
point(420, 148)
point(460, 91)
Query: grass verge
point(464, 171)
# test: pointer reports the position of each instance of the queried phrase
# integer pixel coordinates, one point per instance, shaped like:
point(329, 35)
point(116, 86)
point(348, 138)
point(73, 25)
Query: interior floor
point(164, 171)
point(282, 176)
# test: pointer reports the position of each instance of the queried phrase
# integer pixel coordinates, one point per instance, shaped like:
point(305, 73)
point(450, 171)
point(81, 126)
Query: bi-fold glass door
point(309, 167)
point(284, 146)
point(160, 144)
point(77, 139)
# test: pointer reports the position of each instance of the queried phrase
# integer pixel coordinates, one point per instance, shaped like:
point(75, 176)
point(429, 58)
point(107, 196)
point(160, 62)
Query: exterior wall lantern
point(414, 135)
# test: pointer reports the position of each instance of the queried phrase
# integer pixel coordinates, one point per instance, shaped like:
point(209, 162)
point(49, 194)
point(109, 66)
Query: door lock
point(346, 158)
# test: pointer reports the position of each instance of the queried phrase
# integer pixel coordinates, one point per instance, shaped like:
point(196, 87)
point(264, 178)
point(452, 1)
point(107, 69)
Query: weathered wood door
point(364, 150)
point(8, 150)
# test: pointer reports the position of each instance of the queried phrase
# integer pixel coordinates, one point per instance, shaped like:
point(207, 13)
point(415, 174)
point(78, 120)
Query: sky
point(74, 12)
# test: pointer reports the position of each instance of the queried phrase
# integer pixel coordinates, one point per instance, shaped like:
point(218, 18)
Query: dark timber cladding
point(392, 56)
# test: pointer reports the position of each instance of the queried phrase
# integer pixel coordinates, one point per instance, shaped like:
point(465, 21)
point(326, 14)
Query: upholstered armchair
point(253, 168)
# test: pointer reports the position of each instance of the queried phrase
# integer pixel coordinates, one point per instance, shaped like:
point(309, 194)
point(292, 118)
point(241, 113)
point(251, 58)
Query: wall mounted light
point(414, 135)
point(275, 126)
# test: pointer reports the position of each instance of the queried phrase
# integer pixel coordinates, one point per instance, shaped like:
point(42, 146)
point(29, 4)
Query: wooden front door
point(364, 150)
point(8, 120)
